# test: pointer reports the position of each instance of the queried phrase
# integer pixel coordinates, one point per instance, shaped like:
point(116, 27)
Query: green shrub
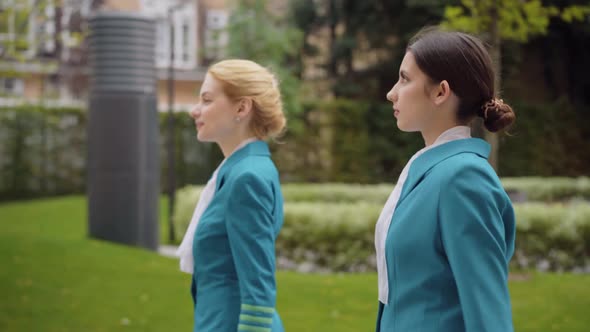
point(333, 227)
point(533, 188)
point(186, 201)
point(366, 145)
point(43, 152)
point(547, 139)
point(549, 189)
point(556, 234)
point(336, 192)
point(336, 236)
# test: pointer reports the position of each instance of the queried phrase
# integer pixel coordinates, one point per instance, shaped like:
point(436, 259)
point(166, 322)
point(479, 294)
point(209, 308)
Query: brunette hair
point(463, 61)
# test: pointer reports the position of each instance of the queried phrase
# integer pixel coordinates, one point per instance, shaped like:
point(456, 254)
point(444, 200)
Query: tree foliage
point(257, 34)
point(359, 44)
point(517, 20)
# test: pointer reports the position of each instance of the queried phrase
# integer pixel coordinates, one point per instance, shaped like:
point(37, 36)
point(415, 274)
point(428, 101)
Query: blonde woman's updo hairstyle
point(247, 79)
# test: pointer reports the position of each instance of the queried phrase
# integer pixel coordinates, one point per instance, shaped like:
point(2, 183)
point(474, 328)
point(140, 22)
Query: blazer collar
point(256, 148)
point(434, 156)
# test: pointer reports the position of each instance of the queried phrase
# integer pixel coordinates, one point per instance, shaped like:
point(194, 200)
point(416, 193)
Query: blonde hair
point(247, 79)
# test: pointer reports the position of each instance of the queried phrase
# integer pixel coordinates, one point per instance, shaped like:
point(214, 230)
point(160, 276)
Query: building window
point(185, 48)
point(216, 37)
point(184, 28)
point(47, 42)
point(185, 43)
point(162, 43)
point(11, 86)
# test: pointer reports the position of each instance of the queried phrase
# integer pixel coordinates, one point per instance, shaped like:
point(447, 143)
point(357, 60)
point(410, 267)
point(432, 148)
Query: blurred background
point(339, 159)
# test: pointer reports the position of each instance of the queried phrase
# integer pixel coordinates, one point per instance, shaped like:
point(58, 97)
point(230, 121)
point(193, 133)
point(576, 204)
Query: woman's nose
point(195, 111)
point(391, 95)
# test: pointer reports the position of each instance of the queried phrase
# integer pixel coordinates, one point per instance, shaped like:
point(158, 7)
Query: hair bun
point(497, 115)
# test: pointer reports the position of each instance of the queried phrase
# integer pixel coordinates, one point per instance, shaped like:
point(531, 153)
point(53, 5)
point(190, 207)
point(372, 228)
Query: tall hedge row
point(43, 150)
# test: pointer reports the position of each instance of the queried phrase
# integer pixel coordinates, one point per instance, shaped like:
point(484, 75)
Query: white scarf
point(382, 227)
point(185, 250)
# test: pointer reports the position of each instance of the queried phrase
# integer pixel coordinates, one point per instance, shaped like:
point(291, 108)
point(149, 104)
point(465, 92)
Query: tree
point(15, 29)
point(500, 20)
point(42, 33)
point(257, 34)
point(358, 45)
point(48, 33)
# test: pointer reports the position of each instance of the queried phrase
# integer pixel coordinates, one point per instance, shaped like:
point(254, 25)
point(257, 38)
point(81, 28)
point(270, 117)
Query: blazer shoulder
point(470, 173)
point(463, 164)
point(257, 166)
point(253, 170)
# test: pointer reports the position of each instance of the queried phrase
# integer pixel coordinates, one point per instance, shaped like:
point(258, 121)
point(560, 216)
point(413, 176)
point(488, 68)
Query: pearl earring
point(237, 119)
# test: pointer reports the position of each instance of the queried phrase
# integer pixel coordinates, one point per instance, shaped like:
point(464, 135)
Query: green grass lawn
point(53, 278)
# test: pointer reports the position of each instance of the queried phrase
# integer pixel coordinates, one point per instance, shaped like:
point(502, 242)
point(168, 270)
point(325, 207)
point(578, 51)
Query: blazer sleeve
point(250, 229)
point(474, 229)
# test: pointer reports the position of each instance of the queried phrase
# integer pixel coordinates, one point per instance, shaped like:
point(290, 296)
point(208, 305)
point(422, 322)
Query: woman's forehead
point(210, 85)
point(408, 63)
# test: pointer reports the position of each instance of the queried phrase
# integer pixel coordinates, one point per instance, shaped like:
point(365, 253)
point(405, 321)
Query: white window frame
point(48, 35)
point(162, 42)
point(216, 35)
point(185, 46)
point(17, 89)
point(181, 19)
point(65, 32)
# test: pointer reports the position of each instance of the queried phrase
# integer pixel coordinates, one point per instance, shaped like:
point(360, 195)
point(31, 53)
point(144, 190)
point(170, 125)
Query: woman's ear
point(244, 107)
point(441, 93)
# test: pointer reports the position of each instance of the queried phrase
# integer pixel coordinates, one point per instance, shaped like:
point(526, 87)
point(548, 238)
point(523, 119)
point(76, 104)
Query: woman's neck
point(430, 136)
point(230, 145)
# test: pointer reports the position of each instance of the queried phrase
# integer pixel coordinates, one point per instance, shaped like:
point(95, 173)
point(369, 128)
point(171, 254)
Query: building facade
point(43, 51)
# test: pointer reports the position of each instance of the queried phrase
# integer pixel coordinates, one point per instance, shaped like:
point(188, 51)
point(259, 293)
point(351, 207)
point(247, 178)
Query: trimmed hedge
point(549, 189)
point(331, 227)
point(547, 139)
point(336, 192)
point(549, 237)
point(331, 236)
point(553, 237)
point(43, 152)
point(186, 201)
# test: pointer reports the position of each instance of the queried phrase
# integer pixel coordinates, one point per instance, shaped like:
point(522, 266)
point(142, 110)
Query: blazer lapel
point(434, 156)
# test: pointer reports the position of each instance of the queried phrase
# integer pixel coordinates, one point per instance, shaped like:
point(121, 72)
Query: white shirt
point(185, 250)
point(382, 227)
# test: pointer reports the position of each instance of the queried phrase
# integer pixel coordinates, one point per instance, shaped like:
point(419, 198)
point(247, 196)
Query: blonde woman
point(229, 246)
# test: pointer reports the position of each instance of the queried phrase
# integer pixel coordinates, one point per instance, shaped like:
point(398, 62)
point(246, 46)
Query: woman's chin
point(407, 130)
point(400, 126)
point(202, 137)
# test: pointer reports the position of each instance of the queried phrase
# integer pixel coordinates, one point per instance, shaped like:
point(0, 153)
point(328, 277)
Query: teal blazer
point(233, 284)
point(449, 244)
